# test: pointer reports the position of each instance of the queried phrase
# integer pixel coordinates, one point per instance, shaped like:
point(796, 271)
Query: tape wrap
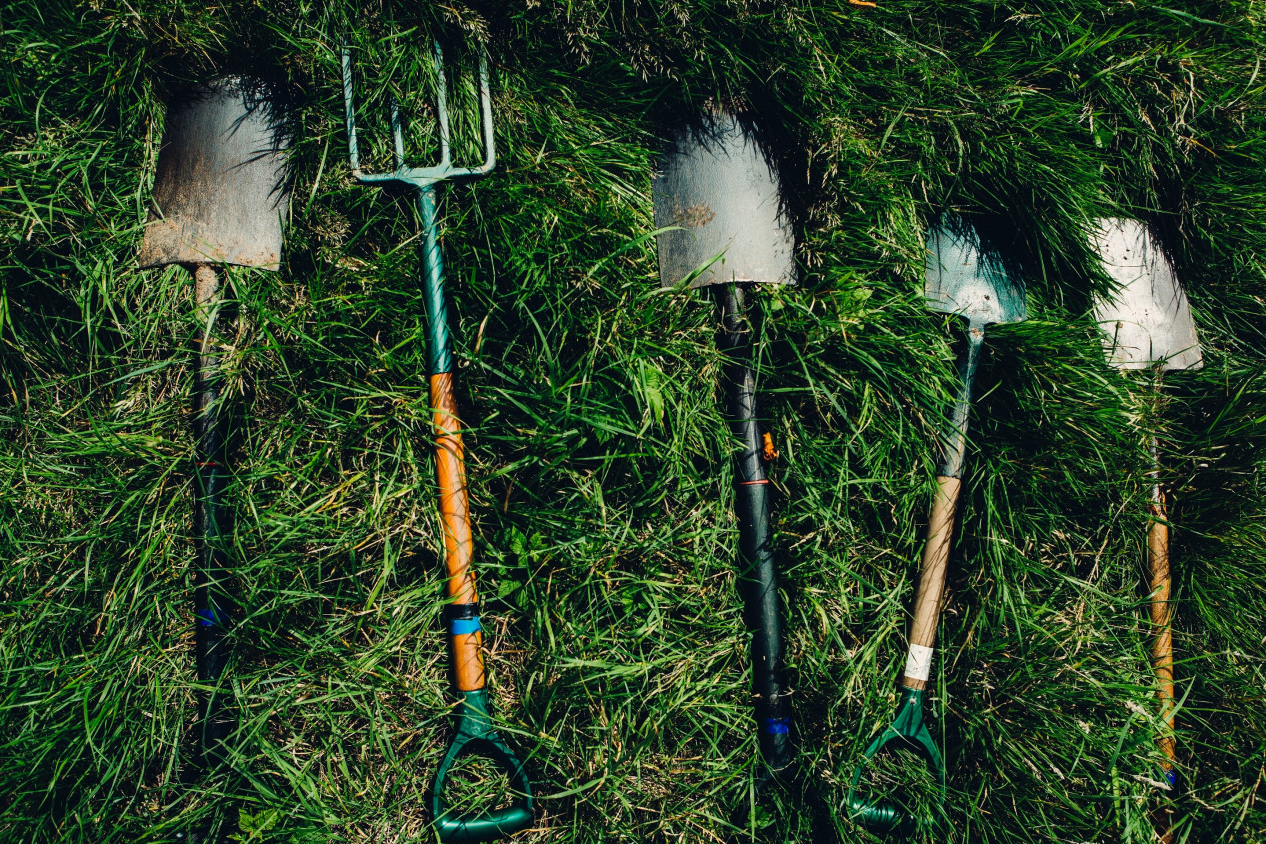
point(919, 663)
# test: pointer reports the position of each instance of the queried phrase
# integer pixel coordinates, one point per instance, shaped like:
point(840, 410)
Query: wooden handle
point(927, 602)
point(1162, 620)
point(450, 467)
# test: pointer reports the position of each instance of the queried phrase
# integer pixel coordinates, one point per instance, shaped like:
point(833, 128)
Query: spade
point(219, 194)
point(1147, 325)
point(722, 227)
point(961, 279)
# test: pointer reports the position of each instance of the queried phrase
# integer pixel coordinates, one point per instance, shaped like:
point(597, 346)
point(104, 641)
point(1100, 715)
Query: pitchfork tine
point(397, 132)
point(441, 106)
point(348, 106)
point(419, 177)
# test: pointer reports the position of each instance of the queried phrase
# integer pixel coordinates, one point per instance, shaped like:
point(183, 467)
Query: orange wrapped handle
point(465, 634)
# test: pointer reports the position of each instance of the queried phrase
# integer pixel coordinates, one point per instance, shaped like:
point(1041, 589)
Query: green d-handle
point(909, 729)
point(475, 734)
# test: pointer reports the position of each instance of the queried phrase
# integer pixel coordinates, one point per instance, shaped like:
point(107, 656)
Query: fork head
point(420, 177)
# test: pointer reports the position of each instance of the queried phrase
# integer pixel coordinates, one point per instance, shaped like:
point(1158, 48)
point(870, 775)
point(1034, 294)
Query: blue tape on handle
point(777, 726)
point(458, 626)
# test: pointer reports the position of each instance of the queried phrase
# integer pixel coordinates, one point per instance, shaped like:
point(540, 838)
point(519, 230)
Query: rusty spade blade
point(219, 194)
point(1147, 321)
point(719, 190)
point(220, 188)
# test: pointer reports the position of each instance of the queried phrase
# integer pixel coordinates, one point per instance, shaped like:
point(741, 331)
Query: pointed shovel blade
point(1146, 322)
point(220, 189)
point(724, 198)
point(962, 280)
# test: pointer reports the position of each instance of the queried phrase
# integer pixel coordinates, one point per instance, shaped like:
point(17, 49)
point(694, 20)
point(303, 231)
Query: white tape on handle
point(919, 663)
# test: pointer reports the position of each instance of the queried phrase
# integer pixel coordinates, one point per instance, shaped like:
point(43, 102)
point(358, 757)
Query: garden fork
point(475, 731)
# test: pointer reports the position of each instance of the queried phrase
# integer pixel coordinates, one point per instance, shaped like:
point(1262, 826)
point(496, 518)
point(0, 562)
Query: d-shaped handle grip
point(476, 735)
point(499, 824)
point(908, 730)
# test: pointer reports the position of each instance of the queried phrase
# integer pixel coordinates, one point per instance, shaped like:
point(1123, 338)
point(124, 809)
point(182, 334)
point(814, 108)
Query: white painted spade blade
point(1146, 322)
point(722, 194)
point(220, 189)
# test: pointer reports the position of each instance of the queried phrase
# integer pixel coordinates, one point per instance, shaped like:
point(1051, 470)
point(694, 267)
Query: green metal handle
point(908, 729)
point(476, 734)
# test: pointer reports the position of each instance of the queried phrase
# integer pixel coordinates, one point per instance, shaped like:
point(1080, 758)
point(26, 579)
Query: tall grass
point(599, 459)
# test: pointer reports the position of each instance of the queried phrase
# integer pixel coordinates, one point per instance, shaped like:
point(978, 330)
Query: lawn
point(599, 456)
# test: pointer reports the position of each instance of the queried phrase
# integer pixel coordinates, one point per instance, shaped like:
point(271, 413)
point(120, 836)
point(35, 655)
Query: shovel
point(717, 205)
point(964, 281)
point(1147, 325)
point(475, 732)
point(219, 194)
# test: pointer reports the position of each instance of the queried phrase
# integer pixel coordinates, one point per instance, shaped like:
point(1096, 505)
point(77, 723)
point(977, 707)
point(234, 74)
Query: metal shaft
point(465, 631)
point(439, 343)
point(1161, 611)
point(940, 530)
point(211, 596)
point(954, 444)
point(759, 572)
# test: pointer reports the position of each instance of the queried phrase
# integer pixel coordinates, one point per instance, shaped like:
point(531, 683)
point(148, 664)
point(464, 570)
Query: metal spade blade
point(721, 192)
point(1147, 322)
point(220, 189)
point(961, 280)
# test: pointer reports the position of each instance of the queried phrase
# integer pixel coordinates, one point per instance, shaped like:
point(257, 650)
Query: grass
point(598, 456)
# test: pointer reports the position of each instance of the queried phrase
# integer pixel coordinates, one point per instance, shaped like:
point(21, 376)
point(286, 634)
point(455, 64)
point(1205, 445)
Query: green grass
point(598, 455)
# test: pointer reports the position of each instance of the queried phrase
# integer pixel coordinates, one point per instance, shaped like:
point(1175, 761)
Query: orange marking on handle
point(450, 469)
point(468, 661)
point(1162, 625)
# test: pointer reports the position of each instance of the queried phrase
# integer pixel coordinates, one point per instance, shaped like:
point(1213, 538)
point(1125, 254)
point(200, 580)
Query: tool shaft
point(954, 442)
point(936, 549)
point(211, 603)
point(465, 632)
point(759, 571)
point(1161, 610)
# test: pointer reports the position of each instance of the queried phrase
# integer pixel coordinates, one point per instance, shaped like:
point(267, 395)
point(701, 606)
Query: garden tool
point(1147, 325)
point(717, 206)
point(219, 194)
point(475, 732)
point(961, 280)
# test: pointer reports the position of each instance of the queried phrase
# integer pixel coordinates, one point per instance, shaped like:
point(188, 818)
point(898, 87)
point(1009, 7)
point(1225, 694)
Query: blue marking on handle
point(777, 726)
point(1171, 777)
point(458, 626)
point(206, 618)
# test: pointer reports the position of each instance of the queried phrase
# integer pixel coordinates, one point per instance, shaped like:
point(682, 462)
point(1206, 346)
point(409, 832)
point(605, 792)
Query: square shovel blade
point(1146, 322)
point(220, 189)
point(962, 280)
point(721, 193)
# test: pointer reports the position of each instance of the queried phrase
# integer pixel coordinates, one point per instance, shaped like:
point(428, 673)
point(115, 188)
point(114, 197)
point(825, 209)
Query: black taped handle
point(751, 504)
point(212, 607)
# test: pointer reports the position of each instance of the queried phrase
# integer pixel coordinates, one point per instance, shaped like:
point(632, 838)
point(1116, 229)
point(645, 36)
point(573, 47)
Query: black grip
point(759, 573)
point(212, 605)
